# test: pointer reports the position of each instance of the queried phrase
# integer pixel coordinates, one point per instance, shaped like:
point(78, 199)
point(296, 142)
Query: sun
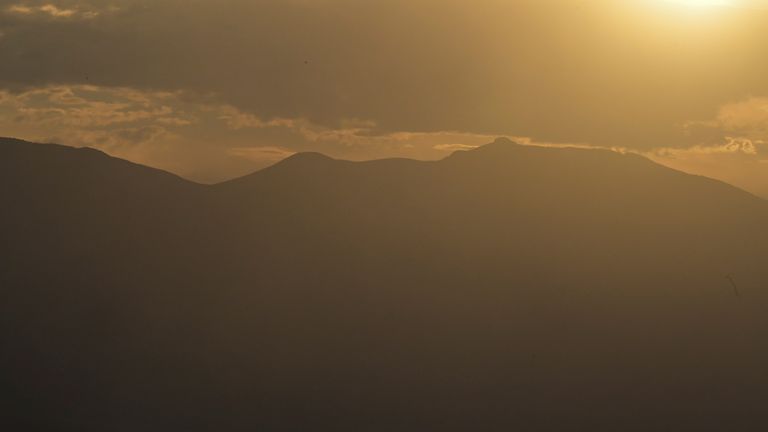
point(702, 3)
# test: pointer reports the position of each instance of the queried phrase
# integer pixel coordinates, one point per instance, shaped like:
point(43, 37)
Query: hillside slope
point(508, 287)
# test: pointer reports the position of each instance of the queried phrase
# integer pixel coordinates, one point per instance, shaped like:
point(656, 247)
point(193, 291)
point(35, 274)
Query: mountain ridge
point(503, 149)
point(485, 288)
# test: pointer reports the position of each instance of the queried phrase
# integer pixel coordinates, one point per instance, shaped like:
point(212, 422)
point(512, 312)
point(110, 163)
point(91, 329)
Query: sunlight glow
point(702, 3)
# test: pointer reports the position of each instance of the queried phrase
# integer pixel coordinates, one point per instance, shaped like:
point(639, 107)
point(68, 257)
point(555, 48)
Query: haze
point(215, 89)
point(383, 215)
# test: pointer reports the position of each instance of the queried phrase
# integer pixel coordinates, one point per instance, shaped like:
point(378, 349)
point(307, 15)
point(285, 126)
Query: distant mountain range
point(504, 288)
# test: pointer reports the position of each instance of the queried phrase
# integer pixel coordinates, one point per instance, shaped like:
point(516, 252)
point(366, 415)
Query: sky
point(215, 89)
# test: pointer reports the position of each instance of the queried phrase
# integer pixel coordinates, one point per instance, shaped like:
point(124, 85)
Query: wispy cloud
point(198, 136)
point(52, 11)
point(90, 107)
point(731, 147)
point(453, 147)
point(209, 140)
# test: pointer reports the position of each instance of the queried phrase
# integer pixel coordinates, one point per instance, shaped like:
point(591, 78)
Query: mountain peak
point(298, 164)
point(500, 147)
point(500, 144)
point(503, 141)
point(304, 161)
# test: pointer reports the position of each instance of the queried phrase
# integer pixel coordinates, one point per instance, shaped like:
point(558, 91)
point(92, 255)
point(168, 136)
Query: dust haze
point(384, 215)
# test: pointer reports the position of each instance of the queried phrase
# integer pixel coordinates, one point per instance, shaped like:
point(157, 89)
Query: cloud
point(351, 80)
point(20, 9)
point(557, 71)
point(744, 146)
point(453, 147)
point(745, 170)
point(51, 11)
point(746, 119)
point(731, 146)
point(236, 119)
point(202, 138)
point(748, 115)
point(197, 136)
point(738, 127)
point(355, 138)
point(89, 106)
point(121, 121)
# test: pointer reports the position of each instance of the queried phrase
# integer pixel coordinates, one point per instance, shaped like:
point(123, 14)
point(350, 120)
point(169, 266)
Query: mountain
point(507, 287)
point(57, 198)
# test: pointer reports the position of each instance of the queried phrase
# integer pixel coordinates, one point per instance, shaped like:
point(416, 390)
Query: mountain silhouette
point(509, 287)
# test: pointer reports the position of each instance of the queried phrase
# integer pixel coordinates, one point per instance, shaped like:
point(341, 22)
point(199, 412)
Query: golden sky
point(213, 89)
